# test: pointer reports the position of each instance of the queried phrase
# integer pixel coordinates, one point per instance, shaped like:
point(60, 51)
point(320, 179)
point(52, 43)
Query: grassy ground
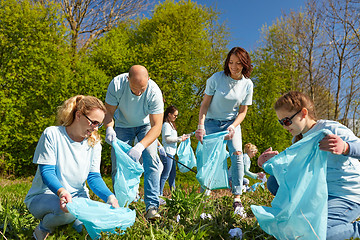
point(17, 223)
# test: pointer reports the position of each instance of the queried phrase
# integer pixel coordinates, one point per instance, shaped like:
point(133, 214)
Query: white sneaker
point(152, 214)
point(162, 201)
point(239, 209)
point(40, 234)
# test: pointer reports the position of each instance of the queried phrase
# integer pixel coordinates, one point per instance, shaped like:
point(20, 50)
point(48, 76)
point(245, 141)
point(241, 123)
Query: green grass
point(17, 223)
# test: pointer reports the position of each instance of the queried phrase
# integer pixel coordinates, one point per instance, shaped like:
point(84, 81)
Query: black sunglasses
point(94, 123)
point(287, 120)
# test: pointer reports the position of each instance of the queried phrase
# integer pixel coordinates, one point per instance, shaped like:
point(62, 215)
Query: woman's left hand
point(113, 201)
point(334, 144)
point(231, 133)
point(184, 137)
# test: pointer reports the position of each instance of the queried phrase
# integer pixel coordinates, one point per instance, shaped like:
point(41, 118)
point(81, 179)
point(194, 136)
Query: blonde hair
point(84, 104)
point(250, 147)
point(295, 101)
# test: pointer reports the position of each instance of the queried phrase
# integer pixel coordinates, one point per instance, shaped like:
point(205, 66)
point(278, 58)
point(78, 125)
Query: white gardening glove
point(231, 133)
point(65, 197)
point(161, 150)
point(200, 133)
point(110, 135)
point(136, 151)
point(113, 201)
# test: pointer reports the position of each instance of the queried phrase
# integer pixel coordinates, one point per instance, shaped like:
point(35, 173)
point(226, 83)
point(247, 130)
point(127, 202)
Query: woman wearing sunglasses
point(227, 96)
point(67, 156)
point(296, 112)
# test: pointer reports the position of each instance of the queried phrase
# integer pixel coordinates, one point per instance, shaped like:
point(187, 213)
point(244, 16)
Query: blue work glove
point(110, 135)
point(136, 151)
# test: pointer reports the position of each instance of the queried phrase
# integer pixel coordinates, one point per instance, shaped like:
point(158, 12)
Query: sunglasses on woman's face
point(286, 121)
point(94, 123)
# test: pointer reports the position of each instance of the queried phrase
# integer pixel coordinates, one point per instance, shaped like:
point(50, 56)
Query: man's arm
point(109, 116)
point(156, 121)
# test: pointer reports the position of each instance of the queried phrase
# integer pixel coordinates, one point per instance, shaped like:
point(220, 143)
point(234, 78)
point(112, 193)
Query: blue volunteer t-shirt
point(132, 110)
point(228, 94)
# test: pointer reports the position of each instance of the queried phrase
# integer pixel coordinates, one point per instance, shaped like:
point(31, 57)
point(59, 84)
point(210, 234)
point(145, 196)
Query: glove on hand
point(161, 150)
point(136, 151)
point(110, 135)
point(113, 201)
point(200, 133)
point(231, 133)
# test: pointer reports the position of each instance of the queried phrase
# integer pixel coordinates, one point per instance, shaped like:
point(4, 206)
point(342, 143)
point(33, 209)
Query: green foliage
point(32, 79)
point(17, 223)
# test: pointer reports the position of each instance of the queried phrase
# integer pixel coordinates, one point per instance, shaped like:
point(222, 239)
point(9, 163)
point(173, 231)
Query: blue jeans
point(46, 207)
point(235, 144)
point(168, 173)
point(341, 215)
point(151, 162)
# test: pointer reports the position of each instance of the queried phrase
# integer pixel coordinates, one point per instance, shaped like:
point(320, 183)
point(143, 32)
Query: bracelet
point(201, 126)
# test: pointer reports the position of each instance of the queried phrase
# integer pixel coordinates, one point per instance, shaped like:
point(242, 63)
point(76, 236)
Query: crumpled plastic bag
point(299, 209)
point(235, 233)
point(127, 178)
point(100, 217)
point(186, 156)
point(211, 157)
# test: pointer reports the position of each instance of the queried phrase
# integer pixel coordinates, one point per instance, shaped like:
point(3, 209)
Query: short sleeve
point(249, 94)
point(115, 90)
point(166, 129)
point(210, 85)
point(45, 150)
point(155, 103)
point(96, 158)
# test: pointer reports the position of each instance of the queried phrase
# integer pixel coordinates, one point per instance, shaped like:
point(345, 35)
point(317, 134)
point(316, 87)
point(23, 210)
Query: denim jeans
point(150, 162)
point(168, 173)
point(235, 144)
point(46, 207)
point(341, 215)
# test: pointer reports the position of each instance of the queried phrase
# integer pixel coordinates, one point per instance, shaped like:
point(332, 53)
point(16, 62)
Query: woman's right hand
point(65, 197)
point(265, 156)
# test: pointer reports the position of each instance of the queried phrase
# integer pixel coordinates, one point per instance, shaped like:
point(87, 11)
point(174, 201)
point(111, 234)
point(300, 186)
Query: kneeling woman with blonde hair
point(67, 156)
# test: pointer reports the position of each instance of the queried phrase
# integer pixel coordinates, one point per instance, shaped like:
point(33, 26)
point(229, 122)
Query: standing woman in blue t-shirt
point(227, 96)
point(169, 141)
point(67, 156)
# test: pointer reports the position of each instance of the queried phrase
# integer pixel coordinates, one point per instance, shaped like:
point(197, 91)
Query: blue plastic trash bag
point(127, 178)
point(100, 217)
point(212, 172)
point(186, 156)
point(299, 209)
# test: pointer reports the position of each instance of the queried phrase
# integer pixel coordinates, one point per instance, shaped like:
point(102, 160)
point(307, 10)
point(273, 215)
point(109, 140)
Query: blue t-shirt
point(343, 172)
point(168, 131)
point(228, 94)
point(132, 110)
point(72, 160)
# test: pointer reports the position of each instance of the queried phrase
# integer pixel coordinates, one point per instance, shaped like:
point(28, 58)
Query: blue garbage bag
point(100, 217)
point(299, 209)
point(186, 156)
point(127, 178)
point(212, 171)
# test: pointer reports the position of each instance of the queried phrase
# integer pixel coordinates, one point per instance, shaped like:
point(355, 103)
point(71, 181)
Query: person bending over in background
point(296, 112)
point(227, 96)
point(67, 156)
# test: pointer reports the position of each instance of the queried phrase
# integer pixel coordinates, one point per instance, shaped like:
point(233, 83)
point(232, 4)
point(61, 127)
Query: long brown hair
point(171, 109)
point(295, 101)
point(245, 60)
point(84, 104)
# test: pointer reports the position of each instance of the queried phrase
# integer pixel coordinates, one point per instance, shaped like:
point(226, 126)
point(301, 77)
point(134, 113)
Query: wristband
point(139, 147)
point(201, 126)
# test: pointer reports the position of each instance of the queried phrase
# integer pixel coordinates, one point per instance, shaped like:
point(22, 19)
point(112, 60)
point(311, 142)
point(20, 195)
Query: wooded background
point(52, 50)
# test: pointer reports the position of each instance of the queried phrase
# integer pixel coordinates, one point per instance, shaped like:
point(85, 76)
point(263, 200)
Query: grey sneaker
point(239, 209)
point(152, 214)
point(40, 234)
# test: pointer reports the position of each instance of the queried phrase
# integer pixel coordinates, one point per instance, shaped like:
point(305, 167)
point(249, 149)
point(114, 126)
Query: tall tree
point(33, 78)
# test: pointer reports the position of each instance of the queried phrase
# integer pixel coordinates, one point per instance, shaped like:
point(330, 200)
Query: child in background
point(250, 152)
